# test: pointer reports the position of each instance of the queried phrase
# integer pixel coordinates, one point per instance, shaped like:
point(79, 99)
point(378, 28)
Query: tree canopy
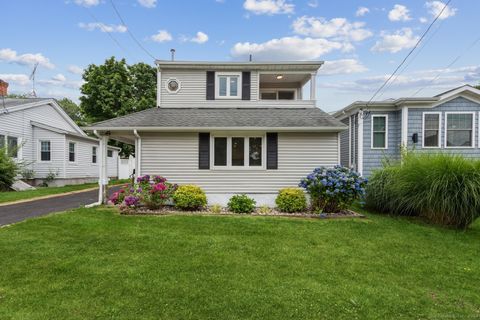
point(72, 109)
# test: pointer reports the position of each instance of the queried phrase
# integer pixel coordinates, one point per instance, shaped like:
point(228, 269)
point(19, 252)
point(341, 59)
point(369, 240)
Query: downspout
point(138, 152)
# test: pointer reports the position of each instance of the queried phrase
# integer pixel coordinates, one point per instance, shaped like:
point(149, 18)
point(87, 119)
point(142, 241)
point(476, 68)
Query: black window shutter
point(204, 150)
point(272, 150)
point(210, 85)
point(246, 85)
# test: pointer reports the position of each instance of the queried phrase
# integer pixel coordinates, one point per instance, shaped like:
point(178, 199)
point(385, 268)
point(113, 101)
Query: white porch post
point(404, 128)
point(103, 174)
point(138, 153)
point(313, 86)
point(159, 87)
point(360, 142)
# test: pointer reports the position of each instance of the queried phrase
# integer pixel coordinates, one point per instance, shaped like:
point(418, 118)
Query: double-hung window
point(71, 151)
point(379, 131)
point(238, 152)
point(12, 146)
point(94, 154)
point(431, 129)
point(459, 129)
point(45, 151)
point(228, 86)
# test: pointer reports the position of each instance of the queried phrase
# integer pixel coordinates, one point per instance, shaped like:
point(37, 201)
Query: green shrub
point(8, 171)
point(443, 188)
point(189, 197)
point(291, 200)
point(216, 208)
point(241, 203)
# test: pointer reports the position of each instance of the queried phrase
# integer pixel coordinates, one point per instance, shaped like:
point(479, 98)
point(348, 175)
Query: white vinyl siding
point(175, 156)
point(57, 145)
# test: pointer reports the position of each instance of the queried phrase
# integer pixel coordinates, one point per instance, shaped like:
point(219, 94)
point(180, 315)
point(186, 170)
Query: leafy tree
point(477, 86)
point(72, 109)
point(144, 91)
point(8, 170)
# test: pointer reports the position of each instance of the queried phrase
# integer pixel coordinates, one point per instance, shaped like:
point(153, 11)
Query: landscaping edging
point(169, 212)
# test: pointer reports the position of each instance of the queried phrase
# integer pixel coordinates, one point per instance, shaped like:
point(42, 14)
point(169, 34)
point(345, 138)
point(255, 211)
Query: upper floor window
point(45, 151)
point(238, 152)
point(379, 132)
point(94, 154)
point(459, 129)
point(71, 151)
point(228, 86)
point(431, 130)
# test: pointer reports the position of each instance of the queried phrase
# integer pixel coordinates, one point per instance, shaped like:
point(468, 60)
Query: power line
point(107, 32)
point(448, 66)
point(409, 54)
point(130, 33)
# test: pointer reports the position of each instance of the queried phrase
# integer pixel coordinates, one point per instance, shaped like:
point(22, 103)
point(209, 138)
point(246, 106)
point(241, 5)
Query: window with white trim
point(12, 146)
point(71, 151)
point(431, 129)
point(459, 129)
point(110, 153)
point(45, 150)
point(238, 151)
point(228, 86)
point(379, 132)
point(94, 154)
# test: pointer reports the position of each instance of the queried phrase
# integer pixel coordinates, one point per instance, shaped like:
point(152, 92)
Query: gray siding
point(372, 158)
point(415, 118)
point(175, 156)
point(344, 144)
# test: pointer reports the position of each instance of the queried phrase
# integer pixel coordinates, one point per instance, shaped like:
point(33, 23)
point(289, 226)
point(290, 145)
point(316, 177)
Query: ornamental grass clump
point(443, 188)
point(334, 189)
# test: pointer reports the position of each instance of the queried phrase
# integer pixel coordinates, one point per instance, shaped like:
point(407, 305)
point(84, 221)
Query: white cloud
point(87, 3)
point(148, 3)
point(21, 79)
point(75, 69)
point(287, 48)
point(26, 59)
point(423, 20)
point(435, 7)
point(361, 11)
point(342, 66)
point(313, 3)
point(200, 37)
point(161, 36)
point(91, 26)
point(268, 7)
point(399, 13)
point(59, 77)
point(336, 28)
point(395, 42)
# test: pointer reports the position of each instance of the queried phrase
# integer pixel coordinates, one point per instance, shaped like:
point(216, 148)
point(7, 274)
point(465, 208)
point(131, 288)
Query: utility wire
point(448, 66)
point(409, 54)
point(107, 32)
point(130, 33)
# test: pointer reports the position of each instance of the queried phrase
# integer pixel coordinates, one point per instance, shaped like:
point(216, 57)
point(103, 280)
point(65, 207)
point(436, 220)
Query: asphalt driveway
point(21, 211)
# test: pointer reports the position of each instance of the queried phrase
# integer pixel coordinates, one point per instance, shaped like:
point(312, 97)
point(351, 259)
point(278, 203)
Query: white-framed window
point(173, 85)
point(431, 128)
point(278, 94)
point(379, 131)
point(94, 154)
point(228, 85)
point(238, 151)
point(459, 132)
point(12, 146)
point(71, 151)
point(45, 150)
point(110, 153)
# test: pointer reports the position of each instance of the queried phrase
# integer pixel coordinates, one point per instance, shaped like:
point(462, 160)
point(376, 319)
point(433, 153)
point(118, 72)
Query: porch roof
point(188, 119)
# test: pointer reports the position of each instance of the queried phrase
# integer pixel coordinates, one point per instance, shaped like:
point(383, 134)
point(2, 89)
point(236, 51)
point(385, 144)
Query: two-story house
point(447, 123)
point(231, 127)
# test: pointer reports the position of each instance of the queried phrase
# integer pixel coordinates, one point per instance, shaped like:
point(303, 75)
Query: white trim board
point(473, 113)
point(386, 131)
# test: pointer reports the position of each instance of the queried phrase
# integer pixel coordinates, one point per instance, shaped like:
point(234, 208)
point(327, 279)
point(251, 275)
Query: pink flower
point(160, 187)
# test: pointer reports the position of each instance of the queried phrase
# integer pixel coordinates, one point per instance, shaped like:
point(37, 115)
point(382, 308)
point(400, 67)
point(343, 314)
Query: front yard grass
point(12, 196)
point(96, 264)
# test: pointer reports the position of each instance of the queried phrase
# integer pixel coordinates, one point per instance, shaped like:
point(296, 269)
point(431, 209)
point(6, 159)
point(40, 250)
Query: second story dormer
point(236, 84)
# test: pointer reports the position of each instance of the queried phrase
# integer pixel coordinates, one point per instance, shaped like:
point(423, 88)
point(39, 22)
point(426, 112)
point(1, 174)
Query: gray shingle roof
point(223, 118)
point(14, 102)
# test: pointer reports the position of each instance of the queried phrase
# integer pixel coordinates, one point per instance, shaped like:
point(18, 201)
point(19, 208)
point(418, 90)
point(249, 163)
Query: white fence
point(126, 167)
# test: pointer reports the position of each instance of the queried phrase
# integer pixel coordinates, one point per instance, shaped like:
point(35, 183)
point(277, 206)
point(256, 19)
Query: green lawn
point(45, 191)
point(96, 264)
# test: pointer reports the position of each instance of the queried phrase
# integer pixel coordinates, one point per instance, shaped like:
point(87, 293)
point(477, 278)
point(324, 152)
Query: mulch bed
point(167, 211)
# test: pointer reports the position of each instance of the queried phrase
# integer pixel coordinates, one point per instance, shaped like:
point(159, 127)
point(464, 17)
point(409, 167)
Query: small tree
point(8, 170)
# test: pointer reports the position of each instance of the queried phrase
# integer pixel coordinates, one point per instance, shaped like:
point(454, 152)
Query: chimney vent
point(3, 88)
point(172, 51)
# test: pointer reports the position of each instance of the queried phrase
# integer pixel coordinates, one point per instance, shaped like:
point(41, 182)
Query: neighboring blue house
point(447, 122)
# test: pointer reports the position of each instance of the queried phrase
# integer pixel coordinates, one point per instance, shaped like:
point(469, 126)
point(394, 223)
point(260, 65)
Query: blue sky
point(361, 41)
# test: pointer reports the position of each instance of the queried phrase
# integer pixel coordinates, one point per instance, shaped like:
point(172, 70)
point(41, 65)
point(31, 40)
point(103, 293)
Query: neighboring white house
point(39, 133)
point(231, 127)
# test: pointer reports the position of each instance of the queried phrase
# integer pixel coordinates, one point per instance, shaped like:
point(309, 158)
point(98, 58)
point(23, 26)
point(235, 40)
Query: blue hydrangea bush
point(334, 189)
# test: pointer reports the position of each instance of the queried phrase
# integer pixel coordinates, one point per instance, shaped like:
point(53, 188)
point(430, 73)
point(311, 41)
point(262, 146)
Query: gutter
point(204, 129)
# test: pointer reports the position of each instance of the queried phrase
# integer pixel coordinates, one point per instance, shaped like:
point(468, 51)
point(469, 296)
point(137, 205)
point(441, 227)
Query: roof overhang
point(204, 129)
point(311, 66)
